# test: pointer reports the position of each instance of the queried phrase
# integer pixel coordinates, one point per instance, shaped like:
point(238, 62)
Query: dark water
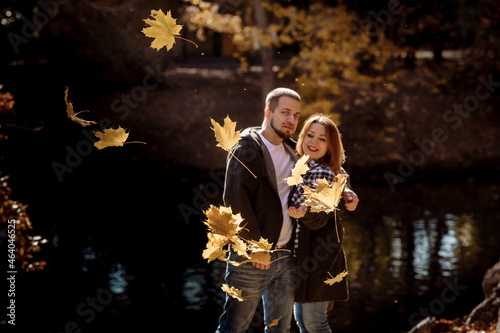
point(419, 251)
point(126, 254)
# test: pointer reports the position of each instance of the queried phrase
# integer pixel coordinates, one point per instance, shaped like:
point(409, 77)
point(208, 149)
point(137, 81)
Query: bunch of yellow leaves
point(223, 229)
point(325, 197)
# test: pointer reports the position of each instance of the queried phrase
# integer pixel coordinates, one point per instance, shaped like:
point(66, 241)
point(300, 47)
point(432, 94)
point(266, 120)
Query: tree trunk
point(266, 52)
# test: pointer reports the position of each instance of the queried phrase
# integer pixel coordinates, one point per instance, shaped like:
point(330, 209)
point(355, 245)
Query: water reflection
point(400, 255)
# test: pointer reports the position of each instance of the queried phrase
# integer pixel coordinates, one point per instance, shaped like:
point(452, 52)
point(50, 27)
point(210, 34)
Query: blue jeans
point(275, 286)
point(312, 317)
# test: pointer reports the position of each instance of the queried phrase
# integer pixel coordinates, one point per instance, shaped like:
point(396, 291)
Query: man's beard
point(280, 133)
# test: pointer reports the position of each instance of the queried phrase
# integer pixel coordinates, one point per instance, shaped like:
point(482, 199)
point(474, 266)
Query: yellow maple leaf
point(112, 138)
point(215, 248)
point(298, 170)
point(262, 245)
point(71, 112)
point(263, 258)
point(164, 29)
point(222, 221)
point(227, 137)
point(335, 279)
point(325, 197)
point(224, 227)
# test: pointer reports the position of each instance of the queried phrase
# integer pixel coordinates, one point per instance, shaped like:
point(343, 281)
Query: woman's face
point(315, 142)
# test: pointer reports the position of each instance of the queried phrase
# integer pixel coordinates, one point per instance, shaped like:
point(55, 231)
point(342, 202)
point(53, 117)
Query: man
point(262, 201)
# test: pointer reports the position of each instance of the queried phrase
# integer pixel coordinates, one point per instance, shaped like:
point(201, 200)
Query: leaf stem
point(254, 176)
point(336, 226)
point(134, 142)
point(187, 40)
point(76, 114)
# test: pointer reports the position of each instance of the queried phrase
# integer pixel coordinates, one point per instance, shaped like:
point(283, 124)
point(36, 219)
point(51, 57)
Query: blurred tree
point(332, 50)
point(14, 221)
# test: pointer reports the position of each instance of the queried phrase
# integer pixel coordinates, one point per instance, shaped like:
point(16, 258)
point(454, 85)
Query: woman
point(319, 236)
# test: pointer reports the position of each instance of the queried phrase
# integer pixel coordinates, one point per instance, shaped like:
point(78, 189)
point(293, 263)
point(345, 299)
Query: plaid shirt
point(316, 171)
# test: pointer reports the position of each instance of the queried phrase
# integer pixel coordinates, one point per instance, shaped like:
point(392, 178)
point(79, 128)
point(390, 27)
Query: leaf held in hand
point(298, 170)
point(263, 258)
point(222, 221)
point(325, 197)
point(335, 279)
point(224, 227)
point(71, 112)
point(262, 245)
point(215, 248)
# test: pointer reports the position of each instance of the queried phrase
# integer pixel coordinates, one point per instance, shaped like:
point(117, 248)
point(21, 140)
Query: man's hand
point(297, 213)
point(261, 260)
point(351, 199)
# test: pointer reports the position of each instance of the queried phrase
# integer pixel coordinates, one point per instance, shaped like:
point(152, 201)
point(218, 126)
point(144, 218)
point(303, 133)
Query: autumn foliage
point(332, 49)
point(26, 243)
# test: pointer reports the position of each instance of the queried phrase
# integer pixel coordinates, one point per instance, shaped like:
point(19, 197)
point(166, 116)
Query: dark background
point(124, 226)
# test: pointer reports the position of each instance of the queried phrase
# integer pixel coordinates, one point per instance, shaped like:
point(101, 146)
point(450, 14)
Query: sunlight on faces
point(285, 117)
point(315, 142)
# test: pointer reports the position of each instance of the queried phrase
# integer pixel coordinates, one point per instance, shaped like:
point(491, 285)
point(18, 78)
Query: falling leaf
point(233, 292)
point(164, 29)
point(112, 138)
point(71, 112)
point(274, 322)
point(299, 169)
point(236, 293)
point(336, 279)
point(227, 137)
point(325, 197)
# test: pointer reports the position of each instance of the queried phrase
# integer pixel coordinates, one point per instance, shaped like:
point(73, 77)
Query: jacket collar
point(252, 133)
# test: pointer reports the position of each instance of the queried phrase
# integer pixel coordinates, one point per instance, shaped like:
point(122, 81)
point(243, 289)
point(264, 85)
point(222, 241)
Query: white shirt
point(283, 164)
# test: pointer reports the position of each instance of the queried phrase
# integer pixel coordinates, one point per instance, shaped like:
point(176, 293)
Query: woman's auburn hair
point(335, 155)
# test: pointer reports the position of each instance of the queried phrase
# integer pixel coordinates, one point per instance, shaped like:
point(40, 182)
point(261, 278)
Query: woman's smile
point(315, 144)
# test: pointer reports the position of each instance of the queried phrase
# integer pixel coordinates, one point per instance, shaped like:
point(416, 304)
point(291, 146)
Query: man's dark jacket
point(256, 198)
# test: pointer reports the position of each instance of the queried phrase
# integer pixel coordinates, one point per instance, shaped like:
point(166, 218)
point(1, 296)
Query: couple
point(268, 206)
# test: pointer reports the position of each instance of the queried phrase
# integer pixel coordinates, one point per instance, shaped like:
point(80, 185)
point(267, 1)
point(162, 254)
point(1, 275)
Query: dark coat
point(319, 257)
point(257, 199)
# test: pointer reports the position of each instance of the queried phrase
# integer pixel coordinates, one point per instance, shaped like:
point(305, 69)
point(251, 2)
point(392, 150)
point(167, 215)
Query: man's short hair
point(273, 97)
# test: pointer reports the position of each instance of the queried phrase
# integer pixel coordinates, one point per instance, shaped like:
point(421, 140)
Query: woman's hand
point(297, 213)
point(351, 199)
